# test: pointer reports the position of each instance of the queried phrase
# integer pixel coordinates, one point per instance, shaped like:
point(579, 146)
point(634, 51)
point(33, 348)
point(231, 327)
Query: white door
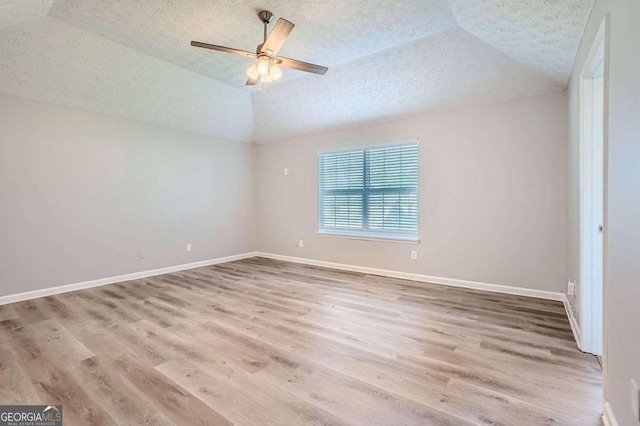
point(597, 214)
point(592, 188)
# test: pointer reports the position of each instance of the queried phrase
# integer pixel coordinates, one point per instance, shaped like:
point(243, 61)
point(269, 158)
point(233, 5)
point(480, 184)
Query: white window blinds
point(370, 192)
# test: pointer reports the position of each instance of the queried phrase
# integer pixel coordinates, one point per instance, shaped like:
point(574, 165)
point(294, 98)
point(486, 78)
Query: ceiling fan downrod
point(265, 16)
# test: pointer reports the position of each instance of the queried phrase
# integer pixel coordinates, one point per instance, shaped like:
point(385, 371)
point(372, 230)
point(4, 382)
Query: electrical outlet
point(300, 243)
point(414, 255)
point(635, 399)
point(286, 171)
point(571, 288)
point(188, 247)
point(141, 254)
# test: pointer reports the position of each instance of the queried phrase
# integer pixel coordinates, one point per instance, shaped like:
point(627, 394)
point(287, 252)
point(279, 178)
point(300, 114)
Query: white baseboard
point(607, 417)
point(575, 327)
point(496, 288)
point(12, 298)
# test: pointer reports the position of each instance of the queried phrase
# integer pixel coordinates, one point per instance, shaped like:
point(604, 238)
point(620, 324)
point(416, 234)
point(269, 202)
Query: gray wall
point(622, 219)
point(492, 196)
point(81, 193)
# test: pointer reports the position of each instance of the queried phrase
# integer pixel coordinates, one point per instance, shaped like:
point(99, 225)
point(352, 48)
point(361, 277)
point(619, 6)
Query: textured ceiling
point(14, 12)
point(542, 34)
point(54, 62)
point(404, 80)
point(326, 32)
point(387, 59)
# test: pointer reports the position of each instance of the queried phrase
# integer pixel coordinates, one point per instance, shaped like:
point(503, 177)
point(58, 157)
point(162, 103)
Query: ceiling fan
point(266, 69)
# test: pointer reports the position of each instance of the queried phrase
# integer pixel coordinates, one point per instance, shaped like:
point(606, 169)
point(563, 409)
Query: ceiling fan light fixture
point(275, 72)
point(266, 79)
point(263, 65)
point(253, 72)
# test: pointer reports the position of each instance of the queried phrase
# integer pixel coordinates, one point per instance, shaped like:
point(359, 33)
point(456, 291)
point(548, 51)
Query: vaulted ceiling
point(387, 59)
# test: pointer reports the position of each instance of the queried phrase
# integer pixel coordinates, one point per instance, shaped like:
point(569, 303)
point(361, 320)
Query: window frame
point(411, 237)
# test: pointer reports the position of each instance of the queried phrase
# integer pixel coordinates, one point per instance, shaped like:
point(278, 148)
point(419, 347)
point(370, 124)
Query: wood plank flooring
point(259, 341)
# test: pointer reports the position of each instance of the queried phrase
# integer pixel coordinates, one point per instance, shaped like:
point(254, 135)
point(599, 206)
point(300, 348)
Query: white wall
point(492, 195)
point(622, 220)
point(81, 193)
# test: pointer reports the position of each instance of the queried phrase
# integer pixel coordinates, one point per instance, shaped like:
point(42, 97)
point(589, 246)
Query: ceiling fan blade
point(301, 66)
point(252, 81)
point(224, 49)
point(277, 37)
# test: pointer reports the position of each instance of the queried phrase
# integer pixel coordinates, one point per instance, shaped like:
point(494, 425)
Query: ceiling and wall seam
point(409, 117)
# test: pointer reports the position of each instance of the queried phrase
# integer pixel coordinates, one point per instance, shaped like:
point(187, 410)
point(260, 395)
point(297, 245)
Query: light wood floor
point(267, 342)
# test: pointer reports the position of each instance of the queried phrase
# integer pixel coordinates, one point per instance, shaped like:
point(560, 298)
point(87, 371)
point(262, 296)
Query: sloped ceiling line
point(542, 35)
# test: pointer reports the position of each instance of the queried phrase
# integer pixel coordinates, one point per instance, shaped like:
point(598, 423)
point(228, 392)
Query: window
point(370, 192)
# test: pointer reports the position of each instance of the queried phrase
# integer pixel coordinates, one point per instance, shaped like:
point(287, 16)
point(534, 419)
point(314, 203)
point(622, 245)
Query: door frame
point(588, 295)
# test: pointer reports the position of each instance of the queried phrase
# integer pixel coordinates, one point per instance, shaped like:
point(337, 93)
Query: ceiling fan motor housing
point(265, 16)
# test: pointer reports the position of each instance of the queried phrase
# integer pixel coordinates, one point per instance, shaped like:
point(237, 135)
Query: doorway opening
point(592, 190)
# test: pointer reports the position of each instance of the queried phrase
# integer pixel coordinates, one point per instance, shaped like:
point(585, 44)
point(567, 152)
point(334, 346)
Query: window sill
point(409, 239)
